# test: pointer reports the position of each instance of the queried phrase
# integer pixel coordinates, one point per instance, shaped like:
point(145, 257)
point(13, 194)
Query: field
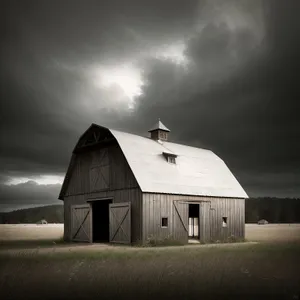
point(30, 232)
point(267, 269)
point(51, 232)
point(273, 232)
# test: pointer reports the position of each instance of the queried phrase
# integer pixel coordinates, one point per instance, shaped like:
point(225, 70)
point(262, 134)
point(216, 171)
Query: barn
point(124, 188)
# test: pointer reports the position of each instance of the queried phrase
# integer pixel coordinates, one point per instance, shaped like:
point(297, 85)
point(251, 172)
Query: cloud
point(241, 106)
point(48, 54)
point(29, 193)
point(235, 93)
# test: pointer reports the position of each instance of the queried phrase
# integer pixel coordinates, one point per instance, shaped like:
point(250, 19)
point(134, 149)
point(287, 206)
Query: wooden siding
point(81, 220)
point(122, 185)
point(120, 223)
point(205, 222)
point(132, 195)
point(180, 221)
point(68, 202)
point(99, 171)
point(120, 175)
point(156, 206)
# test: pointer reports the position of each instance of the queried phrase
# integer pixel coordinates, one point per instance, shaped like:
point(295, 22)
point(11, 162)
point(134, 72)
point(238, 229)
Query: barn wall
point(122, 185)
point(120, 175)
point(156, 206)
point(130, 195)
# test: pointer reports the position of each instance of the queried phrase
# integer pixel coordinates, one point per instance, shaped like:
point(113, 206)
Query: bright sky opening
point(43, 179)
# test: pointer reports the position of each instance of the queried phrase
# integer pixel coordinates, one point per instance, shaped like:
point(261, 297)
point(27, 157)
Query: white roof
point(196, 172)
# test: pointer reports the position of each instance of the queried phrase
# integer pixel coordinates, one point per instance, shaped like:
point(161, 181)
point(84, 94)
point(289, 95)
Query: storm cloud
point(221, 75)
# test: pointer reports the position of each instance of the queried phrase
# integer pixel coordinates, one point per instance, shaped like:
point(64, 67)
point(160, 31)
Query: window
point(163, 135)
point(164, 222)
point(224, 223)
point(171, 159)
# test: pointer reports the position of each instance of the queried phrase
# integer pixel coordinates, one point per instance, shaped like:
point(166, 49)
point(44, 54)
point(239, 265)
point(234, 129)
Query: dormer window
point(170, 157)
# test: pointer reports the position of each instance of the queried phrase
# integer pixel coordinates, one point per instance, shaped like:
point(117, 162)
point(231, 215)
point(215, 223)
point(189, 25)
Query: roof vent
point(159, 131)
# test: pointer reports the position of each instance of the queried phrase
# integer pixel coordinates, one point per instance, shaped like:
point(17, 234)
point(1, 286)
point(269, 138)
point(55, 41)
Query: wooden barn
point(125, 188)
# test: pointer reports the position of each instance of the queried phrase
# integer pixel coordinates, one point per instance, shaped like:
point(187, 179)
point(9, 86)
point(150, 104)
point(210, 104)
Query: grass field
point(268, 269)
point(273, 232)
point(50, 232)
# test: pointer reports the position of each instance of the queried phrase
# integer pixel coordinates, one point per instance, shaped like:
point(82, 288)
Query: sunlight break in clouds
point(126, 76)
point(43, 179)
point(174, 52)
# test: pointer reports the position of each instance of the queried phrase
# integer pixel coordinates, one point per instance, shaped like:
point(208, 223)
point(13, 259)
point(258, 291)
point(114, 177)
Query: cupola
point(159, 131)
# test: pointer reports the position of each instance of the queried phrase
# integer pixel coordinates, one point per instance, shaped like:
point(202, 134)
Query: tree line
point(51, 213)
point(274, 210)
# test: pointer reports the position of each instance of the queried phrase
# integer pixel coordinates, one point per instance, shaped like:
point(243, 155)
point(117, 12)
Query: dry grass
point(54, 232)
point(18, 232)
point(30, 235)
point(230, 271)
point(273, 232)
point(253, 271)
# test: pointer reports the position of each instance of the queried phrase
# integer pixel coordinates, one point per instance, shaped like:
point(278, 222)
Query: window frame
point(164, 218)
point(171, 159)
point(162, 135)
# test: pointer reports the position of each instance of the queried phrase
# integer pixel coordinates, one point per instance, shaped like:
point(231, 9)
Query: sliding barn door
point(120, 223)
point(180, 227)
point(81, 227)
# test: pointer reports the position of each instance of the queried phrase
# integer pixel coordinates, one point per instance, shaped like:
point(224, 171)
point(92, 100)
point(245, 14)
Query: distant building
point(263, 222)
point(41, 222)
point(124, 188)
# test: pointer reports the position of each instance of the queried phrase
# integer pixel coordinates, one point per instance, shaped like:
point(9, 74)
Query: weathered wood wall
point(133, 195)
point(120, 223)
point(179, 219)
point(120, 175)
point(205, 225)
point(156, 206)
point(81, 223)
point(122, 185)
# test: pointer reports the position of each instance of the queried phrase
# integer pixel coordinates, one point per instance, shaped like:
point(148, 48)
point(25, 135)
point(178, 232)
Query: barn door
point(204, 218)
point(99, 171)
point(180, 228)
point(120, 223)
point(81, 230)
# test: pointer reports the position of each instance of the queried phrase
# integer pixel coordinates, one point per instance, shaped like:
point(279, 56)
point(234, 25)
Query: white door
point(196, 227)
point(191, 228)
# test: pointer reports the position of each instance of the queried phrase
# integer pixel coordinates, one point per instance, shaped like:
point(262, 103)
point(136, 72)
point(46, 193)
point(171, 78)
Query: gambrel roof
point(196, 172)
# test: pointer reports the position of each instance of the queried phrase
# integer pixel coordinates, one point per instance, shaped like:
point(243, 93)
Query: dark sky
point(222, 75)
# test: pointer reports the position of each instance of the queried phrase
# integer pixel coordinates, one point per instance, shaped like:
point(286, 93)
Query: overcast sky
point(222, 75)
